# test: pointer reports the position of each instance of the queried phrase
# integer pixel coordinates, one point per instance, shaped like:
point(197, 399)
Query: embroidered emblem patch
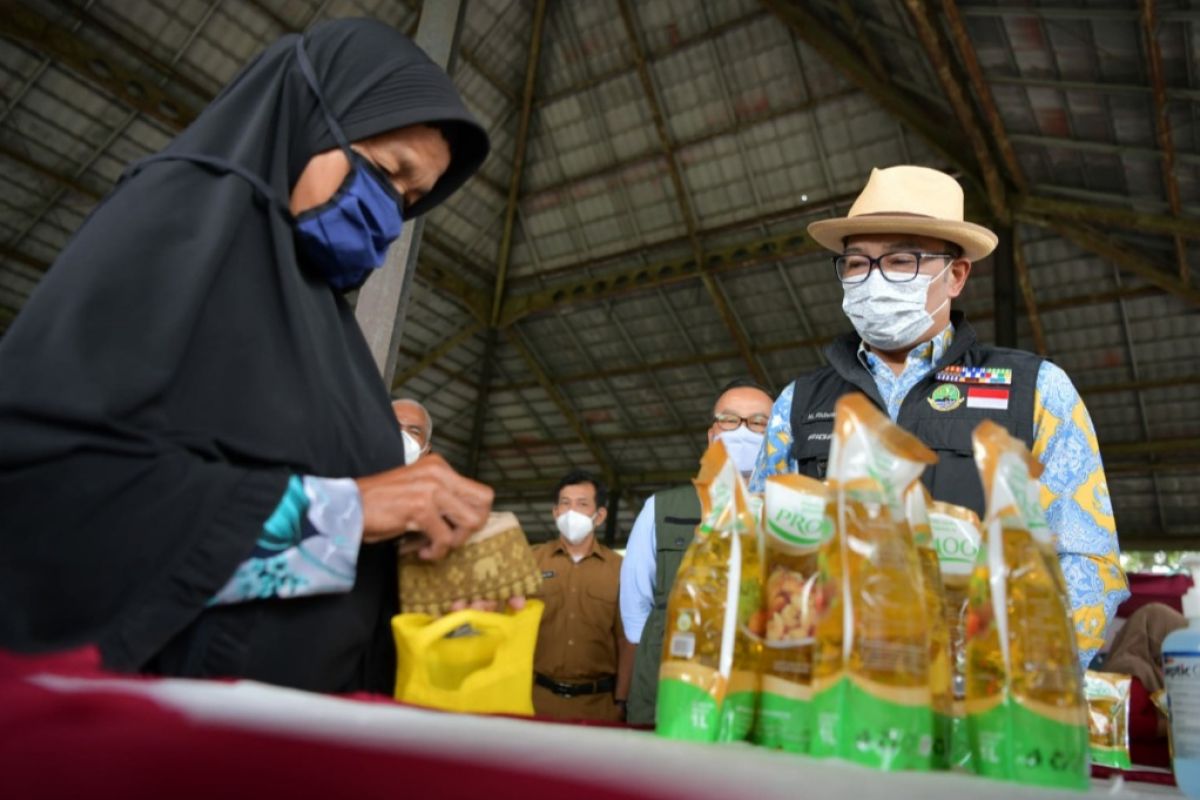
point(987, 397)
point(996, 376)
point(946, 397)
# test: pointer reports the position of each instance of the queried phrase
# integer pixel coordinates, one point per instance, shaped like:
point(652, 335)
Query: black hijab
point(177, 363)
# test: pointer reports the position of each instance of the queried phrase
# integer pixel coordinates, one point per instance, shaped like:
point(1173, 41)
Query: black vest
point(945, 426)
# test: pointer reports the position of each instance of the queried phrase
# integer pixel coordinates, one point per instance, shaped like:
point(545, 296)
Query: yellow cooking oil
point(709, 677)
point(956, 537)
point(794, 524)
point(1027, 717)
point(941, 682)
point(871, 659)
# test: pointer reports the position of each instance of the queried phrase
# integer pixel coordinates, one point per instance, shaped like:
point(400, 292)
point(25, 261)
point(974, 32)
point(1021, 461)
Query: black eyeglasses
point(895, 267)
point(731, 422)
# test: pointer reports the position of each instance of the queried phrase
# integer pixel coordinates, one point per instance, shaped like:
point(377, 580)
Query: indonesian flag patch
point(987, 397)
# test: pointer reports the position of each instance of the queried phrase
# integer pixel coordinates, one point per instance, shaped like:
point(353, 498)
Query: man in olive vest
point(663, 530)
point(902, 254)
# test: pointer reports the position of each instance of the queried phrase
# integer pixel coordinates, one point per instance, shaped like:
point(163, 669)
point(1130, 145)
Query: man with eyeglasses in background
point(662, 531)
point(904, 252)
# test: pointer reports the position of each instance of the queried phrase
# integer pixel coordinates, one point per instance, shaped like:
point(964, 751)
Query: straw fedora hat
point(906, 199)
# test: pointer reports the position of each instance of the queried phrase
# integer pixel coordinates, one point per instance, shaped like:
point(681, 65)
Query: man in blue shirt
point(663, 530)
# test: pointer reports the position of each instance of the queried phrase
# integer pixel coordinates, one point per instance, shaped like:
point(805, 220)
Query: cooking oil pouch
point(956, 538)
point(1107, 696)
point(795, 524)
point(871, 678)
point(1026, 713)
point(941, 680)
point(469, 661)
point(708, 682)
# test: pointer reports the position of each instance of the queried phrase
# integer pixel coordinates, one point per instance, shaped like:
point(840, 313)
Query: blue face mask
point(347, 236)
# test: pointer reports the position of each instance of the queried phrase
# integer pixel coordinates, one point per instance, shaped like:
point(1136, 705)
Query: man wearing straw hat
point(902, 254)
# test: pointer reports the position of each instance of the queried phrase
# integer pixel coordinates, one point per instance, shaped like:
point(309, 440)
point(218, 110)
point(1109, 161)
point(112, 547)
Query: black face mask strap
point(309, 75)
point(217, 165)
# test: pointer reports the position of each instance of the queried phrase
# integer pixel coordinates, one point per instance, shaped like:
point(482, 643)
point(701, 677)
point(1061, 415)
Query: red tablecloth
point(67, 729)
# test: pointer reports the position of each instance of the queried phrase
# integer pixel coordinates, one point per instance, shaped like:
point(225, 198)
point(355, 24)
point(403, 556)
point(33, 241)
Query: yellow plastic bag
point(469, 661)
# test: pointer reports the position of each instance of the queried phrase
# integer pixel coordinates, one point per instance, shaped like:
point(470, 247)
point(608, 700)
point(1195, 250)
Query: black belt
point(602, 686)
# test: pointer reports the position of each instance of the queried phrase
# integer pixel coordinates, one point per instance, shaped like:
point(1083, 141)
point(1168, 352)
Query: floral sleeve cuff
point(308, 546)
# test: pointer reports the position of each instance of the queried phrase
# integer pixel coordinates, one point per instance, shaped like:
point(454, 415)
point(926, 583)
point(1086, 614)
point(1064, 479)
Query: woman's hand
point(428, 497)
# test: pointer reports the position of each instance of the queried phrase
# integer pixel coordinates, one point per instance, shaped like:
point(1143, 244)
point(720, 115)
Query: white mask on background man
point(412, 448)
point(743, 445)
point(890, 316)
point(574, 526)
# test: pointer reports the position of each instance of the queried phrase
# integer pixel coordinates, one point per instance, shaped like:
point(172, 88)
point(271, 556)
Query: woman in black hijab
point(188, 377)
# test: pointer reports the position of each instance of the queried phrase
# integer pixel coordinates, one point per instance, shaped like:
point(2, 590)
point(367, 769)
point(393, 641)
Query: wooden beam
point(1155, 541)
point(38, 168)
point(716, 31)
point(448, 344)
point(28, 27)
point(511, 208)
point(1152, 447)
point(1123, 256)
point(479, 418)
point(1025, 284)
point(683, 199)
point(983, 92)
point(915, 113)
point(625, 280)
point(1162, 125)
point(609, 171)
point(1135, 89)
point(522, 141)
point(452, 374)
point(936, 50)
point(564, 407)
point(1029, 206)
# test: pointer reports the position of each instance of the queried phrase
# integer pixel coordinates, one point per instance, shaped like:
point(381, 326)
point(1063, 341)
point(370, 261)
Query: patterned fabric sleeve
point(308, 546)
point(777, 442)
point(1078, 509)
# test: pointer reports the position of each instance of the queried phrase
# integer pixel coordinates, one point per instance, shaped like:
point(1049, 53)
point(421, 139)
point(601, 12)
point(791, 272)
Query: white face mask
point(574, 526)
point(890, 316)
point(412, 448)
point(743, 445)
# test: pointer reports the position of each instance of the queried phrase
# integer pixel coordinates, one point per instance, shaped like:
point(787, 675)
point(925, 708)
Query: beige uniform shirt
point(580, 630)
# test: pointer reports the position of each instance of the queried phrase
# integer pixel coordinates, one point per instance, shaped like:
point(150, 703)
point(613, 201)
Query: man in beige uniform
point(583, 664)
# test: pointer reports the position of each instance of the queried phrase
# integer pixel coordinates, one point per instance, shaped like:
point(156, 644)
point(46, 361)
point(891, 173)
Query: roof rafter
point(436, 352)
point(1012, 168)
point(624, 279)
point(829, 44)
point(28, 27)
point(1131, 261)
point(564, 407)
point(511, 208)
point(630, 66)
point(682, 197)
point(739, 125)
point(1162, 124)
